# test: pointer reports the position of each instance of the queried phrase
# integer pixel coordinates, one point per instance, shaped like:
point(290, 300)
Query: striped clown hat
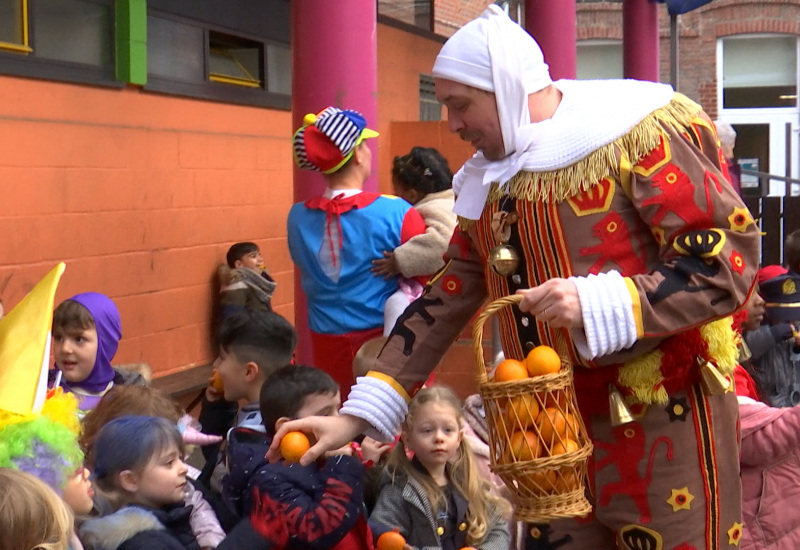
point(326, 141)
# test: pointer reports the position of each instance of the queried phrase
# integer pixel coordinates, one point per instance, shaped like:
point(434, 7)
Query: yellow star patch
point(680, 499)
point(735, 533)
point(740, 219)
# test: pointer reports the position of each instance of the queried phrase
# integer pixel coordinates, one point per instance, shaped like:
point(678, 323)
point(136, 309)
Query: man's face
point(472, 114)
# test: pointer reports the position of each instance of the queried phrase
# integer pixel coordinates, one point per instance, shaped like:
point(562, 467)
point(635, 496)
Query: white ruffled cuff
point(377, 402)
point(608, 321)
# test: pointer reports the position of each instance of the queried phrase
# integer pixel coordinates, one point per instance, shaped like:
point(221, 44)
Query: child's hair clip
point(427, 172)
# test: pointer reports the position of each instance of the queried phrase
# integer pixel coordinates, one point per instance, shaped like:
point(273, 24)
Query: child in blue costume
point(333, 239)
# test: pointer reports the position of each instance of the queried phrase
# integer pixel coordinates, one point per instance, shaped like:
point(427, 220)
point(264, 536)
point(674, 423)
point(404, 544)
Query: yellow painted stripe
point(637, 306)
point(392, 382)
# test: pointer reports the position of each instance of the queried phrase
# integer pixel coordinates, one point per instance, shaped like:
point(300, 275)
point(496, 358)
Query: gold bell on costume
point(504, 260)
point(619, 411)
point(713, 381)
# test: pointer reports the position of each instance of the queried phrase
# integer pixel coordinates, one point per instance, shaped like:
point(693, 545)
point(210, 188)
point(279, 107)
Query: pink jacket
point(770, 476)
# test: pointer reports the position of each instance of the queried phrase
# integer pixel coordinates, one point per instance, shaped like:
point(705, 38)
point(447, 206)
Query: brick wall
point(450, 15)
point(699, 31)
point(141, 195)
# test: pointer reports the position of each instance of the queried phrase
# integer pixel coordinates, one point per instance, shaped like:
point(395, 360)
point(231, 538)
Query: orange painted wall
point(141, 194)
point(402, 57)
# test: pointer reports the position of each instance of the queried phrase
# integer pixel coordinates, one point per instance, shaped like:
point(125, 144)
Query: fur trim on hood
point(109, 532)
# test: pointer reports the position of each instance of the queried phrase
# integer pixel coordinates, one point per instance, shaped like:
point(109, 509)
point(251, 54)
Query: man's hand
point(554, 302)
point(330, 432)
point(386, 266)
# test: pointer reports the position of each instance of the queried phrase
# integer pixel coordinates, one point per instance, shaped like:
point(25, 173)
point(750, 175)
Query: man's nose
point(454, 123)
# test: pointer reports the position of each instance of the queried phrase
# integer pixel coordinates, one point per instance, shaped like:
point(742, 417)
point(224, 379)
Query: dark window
point(69, 40)
point(14, 25)
point(429, 107)
point(194, 57)
point(414, 12)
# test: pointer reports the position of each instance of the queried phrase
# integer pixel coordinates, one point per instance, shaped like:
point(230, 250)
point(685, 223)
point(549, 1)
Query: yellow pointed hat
point(25, 347)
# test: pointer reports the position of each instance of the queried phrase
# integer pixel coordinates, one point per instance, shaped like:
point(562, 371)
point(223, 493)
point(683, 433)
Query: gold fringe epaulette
point(557, 185)
point(643, 377)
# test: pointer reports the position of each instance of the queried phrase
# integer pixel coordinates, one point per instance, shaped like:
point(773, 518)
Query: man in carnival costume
point(633, 249)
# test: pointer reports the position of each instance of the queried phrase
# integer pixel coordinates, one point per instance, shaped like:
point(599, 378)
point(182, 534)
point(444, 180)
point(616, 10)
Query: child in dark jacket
point(323, 501)
point(139, 465)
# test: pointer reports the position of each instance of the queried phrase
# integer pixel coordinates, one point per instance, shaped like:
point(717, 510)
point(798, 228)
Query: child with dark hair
point(245, 282)
point(791, 251)
point(423, 178)
point(139, 464)
point(775, 347)
point(322, 501)
point(86, 333)
point(252, 345)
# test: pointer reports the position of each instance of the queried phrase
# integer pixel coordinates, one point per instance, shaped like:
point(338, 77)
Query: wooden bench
point(185, 385)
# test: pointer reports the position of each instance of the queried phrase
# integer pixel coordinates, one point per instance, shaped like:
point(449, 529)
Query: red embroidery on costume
point(451, 284)
point(625, 453)
point(461, 240)
point(615, 245)
point(679, 359)
point(595, 200)
point(677, 196)
point(737, 262)
point(685, 546)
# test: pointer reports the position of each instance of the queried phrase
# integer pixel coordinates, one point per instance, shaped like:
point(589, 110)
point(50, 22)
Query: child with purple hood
point(86, 333)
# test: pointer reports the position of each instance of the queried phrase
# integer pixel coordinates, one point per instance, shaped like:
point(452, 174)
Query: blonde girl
point(438, 499)
point(31, 514)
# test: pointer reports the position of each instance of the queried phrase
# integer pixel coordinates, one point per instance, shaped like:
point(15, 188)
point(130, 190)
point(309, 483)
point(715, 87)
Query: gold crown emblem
point(789, 287)
point(594, 200)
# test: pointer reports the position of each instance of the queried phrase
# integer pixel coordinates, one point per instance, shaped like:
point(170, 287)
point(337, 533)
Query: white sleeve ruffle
point(377, 402)
point(609, 324)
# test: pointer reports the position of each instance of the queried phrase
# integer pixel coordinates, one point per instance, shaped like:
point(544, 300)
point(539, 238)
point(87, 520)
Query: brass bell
point(744, 351)
point(713, 381)
point(504, 260)
point(620, 413)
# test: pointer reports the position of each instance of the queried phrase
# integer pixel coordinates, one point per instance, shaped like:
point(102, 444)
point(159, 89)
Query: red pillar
point(335, 53)
point(640, 59)
point(552, 24)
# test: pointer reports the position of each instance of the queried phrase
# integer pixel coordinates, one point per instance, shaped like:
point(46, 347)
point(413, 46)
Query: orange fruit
point(216, 382)
point(554, 399)
point(541, 482)
point(566, 480)
point(391, 540)
point(525, 446)
point(555, 425)
point(510, 369)
point(294, 445)
point(522, 411)
point(568, 446)
point(542, 360)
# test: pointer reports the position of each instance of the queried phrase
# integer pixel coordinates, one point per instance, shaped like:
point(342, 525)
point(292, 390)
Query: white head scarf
point(494, 54)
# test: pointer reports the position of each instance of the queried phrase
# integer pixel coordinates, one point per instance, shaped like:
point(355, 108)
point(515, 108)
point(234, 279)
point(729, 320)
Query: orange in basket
point(525, 445)
point(510, 369)
point(542, 360)
point(555, 426)
point(522, 411)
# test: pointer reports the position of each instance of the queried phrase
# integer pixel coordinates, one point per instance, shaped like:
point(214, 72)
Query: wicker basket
point(543, 487)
